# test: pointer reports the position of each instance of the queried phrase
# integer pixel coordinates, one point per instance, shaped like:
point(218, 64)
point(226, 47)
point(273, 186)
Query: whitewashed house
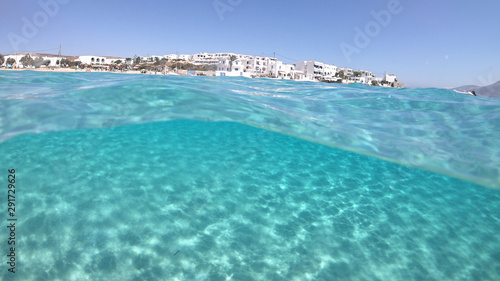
point(378, 80)
point(260, 66)
point(239, 67)
point(54, 60)
point(111, 60)
point(283, 70)
point(171, 57)
point(210, 58)
point(184, 57)
point(248, 66)
point(149, 58)
point(98, 60)
point(389, 78)
point(314, 70)
point(348, 72)
point(176, 57)
point(365, 77)
point(16, 57)
point(92, 59)
point(154, 58)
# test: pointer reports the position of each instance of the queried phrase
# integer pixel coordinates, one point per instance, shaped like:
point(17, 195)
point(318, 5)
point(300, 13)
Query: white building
point(239, 66)
point(54, 60)
point(283, 70)
point(362, 76)
point(92, 59)
point(389, 78)
point(16, 57)
point(253, 66)
point(314, 70)
point(129, 61)
point(111, 60)
point(248, 66)
point(184, 57)
point(98, 60)
point(348, 72)
point(156, 57)
point(210, 58)
point(150, 58)
point(171, 57)
point(168, 57)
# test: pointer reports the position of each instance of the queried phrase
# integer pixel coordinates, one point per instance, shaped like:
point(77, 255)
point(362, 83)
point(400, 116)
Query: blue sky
point(438, 43)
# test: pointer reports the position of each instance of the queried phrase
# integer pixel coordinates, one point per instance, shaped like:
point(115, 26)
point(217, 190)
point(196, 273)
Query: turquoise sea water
point(129, 177)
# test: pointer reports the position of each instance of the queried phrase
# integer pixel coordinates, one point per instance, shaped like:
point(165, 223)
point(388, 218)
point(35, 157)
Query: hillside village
point(211, 64)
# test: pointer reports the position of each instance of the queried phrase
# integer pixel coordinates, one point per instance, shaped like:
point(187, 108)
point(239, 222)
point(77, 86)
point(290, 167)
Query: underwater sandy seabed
point(189, 200)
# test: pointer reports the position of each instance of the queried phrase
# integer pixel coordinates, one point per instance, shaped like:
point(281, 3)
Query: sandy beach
point(180, 72)
point(69, 70)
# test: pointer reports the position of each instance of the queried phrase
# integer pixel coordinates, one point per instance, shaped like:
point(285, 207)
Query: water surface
point(195, 199)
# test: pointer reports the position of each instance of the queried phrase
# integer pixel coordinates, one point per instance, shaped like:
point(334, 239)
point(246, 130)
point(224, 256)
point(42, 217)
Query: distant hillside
point(466, 88)
point(492, 90)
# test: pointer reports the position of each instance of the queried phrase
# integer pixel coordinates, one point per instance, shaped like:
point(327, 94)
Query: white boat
point(472, 93)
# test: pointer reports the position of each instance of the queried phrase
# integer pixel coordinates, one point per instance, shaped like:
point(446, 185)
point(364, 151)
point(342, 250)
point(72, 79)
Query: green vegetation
point(2, 59)
point(180, 65)
point(11, 61)
point(190, 66)
point(231, 59)
point(27, 60)
point(66, 63)
point(118, 61)
point(160, 62)
point(341, 74)
point(375, 83)
point(38, 62)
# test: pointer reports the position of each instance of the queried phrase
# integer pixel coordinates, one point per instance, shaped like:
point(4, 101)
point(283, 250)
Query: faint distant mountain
point(466, 88)
point(492, 90)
